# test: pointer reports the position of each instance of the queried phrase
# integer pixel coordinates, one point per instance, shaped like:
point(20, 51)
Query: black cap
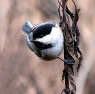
point(43, 29)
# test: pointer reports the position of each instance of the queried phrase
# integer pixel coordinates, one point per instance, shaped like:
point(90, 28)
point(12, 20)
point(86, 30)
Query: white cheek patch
point(47, 39)
point(53, 37)
point(55, 33)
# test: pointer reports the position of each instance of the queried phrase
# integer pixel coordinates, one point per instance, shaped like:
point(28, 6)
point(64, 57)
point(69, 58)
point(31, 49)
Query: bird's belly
point(52, 53)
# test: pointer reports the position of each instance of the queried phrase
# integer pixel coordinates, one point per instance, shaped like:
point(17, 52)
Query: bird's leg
point(66, 61)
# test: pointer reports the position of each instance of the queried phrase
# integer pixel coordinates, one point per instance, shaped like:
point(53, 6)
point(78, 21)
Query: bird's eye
point(41, 35)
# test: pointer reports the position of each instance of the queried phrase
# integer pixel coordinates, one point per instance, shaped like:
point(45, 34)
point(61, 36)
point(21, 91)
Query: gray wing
point(32, 47)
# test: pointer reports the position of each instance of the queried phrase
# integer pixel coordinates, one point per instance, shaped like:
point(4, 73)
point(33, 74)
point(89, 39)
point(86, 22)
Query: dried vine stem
point(71, 43)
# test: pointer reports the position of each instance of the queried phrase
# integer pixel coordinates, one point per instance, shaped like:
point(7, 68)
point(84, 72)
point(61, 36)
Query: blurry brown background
point(21, 71)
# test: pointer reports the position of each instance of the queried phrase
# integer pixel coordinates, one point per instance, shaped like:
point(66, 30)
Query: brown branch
point(71, 43)
point(65, 73)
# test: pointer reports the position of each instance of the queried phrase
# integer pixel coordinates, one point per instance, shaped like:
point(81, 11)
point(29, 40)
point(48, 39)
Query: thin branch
point(71, 42)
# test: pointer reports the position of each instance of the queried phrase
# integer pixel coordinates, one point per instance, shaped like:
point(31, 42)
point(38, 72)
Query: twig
point(71, 43)
point(67, 89)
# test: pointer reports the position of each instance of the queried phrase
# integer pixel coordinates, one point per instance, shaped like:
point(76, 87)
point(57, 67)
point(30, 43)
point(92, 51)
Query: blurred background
point(21, 71)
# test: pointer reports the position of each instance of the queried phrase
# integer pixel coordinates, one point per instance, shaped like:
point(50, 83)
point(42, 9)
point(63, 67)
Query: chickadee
point(44, 39)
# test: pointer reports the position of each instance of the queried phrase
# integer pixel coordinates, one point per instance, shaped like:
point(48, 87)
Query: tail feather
point(26, 28)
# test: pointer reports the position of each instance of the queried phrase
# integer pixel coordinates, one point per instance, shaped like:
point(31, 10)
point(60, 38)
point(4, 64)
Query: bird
point(44, 39)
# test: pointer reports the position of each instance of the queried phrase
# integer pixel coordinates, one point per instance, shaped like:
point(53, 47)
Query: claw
point(66, 61)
